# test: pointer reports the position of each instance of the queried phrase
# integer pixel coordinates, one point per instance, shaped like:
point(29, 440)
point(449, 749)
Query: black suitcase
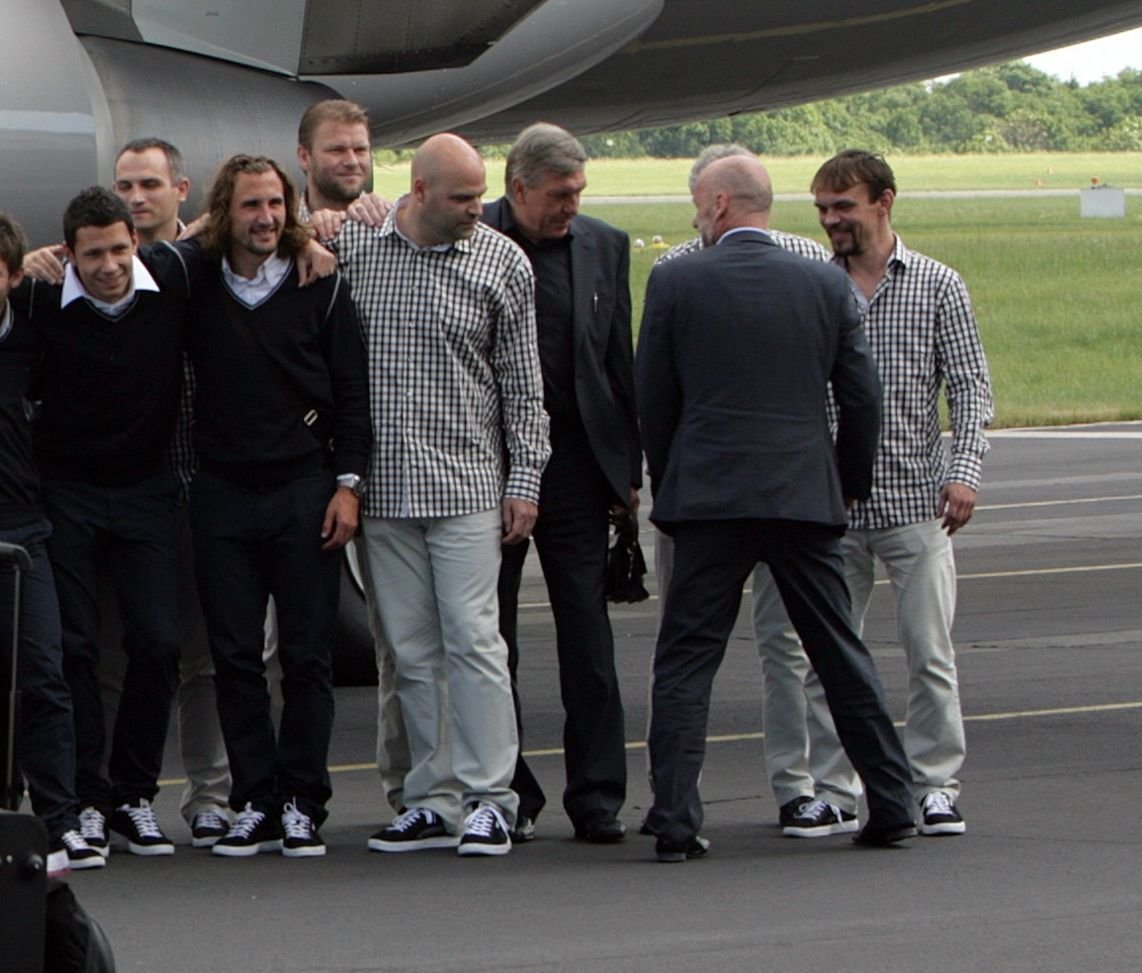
point(23, 838)
point(23, 892)
point(14, 560)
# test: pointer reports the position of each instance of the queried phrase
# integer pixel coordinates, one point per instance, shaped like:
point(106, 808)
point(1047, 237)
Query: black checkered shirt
point(455, 390)
point(923, 335)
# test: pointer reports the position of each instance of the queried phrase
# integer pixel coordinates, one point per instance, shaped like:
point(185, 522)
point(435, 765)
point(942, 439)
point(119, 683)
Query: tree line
point(1011, 107)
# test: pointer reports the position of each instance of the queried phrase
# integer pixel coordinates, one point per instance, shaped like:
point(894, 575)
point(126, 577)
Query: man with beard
point(282, 433)
point(924, 337)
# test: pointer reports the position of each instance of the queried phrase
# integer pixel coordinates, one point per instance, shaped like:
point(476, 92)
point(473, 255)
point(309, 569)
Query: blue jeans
point(46, 749)
point(133, 531)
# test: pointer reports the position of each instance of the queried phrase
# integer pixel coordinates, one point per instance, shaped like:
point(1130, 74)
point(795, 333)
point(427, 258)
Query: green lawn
point(1058, 298)
point(656, 177)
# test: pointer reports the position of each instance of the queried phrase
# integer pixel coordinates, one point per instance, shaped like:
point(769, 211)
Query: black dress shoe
point(668, 851)
point(877, 835)
point(600, 828)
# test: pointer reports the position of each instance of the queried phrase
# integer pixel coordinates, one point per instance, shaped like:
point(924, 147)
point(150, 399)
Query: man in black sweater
point(46, 738)
point(109, 387)
point(283, 437)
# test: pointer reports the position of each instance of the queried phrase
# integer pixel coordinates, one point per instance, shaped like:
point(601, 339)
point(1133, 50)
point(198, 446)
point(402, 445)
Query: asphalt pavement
point(1048, 876)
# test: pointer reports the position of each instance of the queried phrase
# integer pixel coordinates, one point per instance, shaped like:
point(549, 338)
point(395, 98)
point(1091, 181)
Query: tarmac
point(1047, 878)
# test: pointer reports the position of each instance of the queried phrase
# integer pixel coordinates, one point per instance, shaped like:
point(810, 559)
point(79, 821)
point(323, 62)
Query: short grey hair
point(712, 153)
point(543, 148)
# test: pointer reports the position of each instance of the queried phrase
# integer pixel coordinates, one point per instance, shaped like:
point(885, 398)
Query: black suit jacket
point(604, 376)
point(738, 345)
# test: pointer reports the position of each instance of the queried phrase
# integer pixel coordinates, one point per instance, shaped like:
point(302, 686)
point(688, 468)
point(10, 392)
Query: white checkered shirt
point(923, 335)
point(455, 390)
point(787, 241)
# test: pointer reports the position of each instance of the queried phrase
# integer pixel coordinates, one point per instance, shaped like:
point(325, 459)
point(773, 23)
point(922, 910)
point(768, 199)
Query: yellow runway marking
point(743, 737)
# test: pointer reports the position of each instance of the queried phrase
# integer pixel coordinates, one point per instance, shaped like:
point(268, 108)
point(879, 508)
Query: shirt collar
point(253, 290)
point(744, 229)
point(390, 226)
point(6, 320)
point(73, 289)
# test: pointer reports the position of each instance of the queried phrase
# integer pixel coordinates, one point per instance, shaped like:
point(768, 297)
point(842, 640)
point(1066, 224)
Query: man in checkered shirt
point(460, 443)
point(923, 335)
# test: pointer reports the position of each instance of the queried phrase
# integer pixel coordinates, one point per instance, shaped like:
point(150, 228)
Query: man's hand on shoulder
point(341, 518)
point(519, 519)
point(45, 264)
point(327, 223)
point(313, 263)
point(957, 503)
point(370, 209)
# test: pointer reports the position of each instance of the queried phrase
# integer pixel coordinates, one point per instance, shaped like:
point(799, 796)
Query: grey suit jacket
point(739, 343)
point(604, 376)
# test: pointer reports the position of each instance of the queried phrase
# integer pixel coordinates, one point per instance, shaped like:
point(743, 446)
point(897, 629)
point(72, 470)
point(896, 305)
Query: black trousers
point(571, 538)
point(712, 560)
point(133, 531)
point(251, 543)
point(46, 737)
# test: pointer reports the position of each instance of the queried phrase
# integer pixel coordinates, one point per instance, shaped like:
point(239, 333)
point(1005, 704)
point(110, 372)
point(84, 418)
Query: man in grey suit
point(583, 318)
point(738, 345)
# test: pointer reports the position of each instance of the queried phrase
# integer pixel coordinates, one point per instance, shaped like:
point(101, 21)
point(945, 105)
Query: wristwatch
point(353, 482)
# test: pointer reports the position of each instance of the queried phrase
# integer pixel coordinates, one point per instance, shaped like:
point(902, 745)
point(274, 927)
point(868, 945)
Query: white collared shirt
point(251, 291)
point(73, 289)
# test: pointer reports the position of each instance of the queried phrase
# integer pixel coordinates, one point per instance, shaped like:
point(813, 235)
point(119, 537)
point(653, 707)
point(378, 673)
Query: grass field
point(1058, 298)
point(657, 177)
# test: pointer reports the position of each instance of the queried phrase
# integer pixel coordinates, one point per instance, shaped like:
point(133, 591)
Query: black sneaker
point(136, 826)
point(77, 854)
point(413, 830)
point(696, 847)
point(818, 819)
point(252, 832)
point(93, 830)
point(877, 835)
point(485, 833)
point(790, 809)
point(301, 837)
point(207, 827)
point(938, 815)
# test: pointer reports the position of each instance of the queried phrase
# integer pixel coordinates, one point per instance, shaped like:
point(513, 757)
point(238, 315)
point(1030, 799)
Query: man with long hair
point(282, 433)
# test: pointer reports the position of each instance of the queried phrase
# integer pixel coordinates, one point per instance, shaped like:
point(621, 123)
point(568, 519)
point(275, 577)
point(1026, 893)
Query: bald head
point(445, 155)
point(448, 182)
point(732, 192)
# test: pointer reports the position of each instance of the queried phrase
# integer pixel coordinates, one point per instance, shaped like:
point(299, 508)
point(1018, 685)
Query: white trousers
point(921, 569)
point(434, 583)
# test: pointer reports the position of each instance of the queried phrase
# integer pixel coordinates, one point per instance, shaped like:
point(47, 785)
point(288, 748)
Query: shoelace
point(74, 841)
point(92, 824)
point(245, 823)
point(937, 803)
point(212, 820)
point(144, 820)
point(295, 823)
point(482, 822)
point(819, 809)
point(408, 819)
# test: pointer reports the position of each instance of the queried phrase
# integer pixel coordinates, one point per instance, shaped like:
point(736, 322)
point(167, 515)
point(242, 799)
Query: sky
point(1093, 60)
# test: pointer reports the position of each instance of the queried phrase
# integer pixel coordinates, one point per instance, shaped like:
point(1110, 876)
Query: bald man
point(447, 305)
point(739, 342)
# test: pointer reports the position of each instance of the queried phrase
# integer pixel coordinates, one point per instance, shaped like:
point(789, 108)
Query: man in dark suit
point(739, 342)
point(583, 315)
